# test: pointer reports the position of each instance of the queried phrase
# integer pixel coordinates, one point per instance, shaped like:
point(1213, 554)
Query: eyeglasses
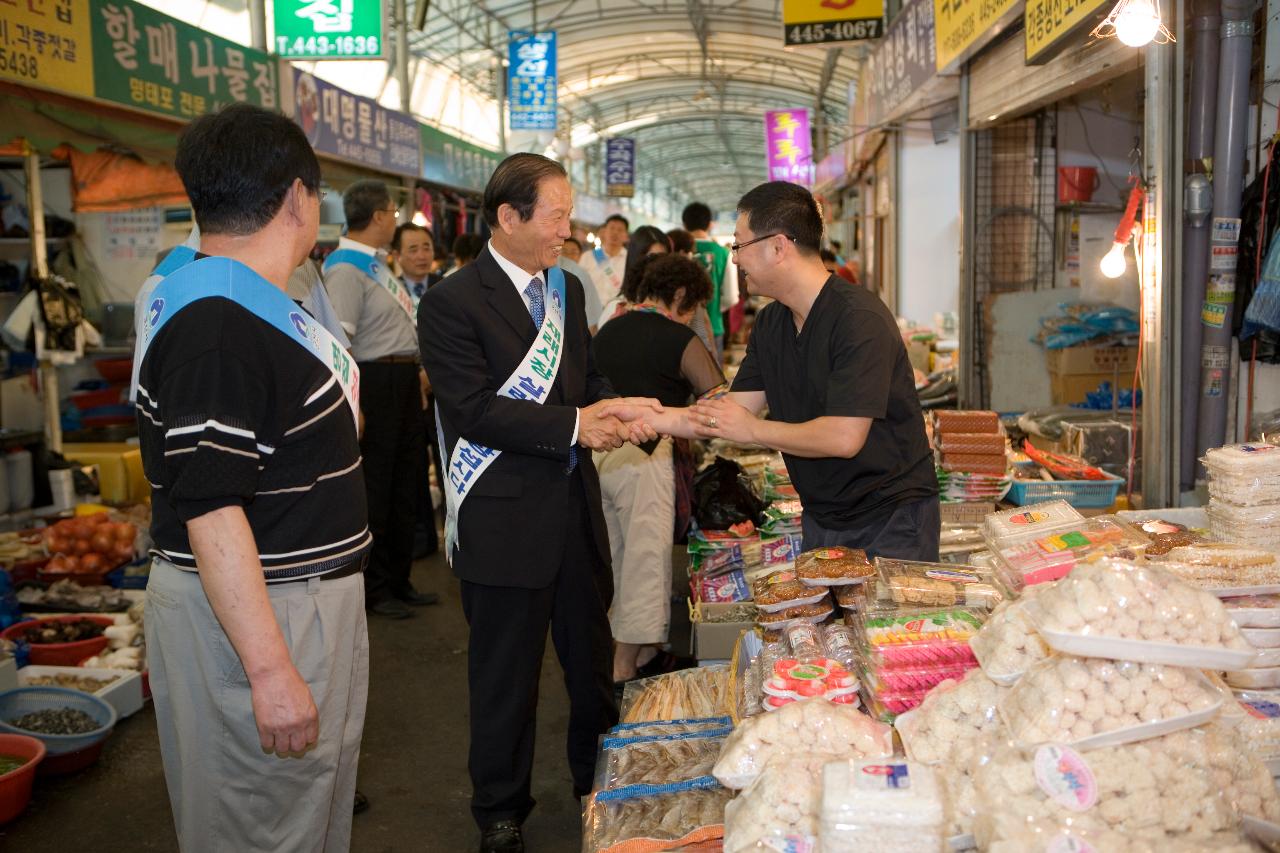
point(738, 247)
point(394, 211)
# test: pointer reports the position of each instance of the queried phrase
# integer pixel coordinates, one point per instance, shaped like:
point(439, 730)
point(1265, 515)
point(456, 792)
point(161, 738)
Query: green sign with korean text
point(455, 162)
point(328, 29)
point(150, 61)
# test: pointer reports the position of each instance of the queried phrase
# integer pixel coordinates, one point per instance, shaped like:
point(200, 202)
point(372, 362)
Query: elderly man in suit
point(521, 405)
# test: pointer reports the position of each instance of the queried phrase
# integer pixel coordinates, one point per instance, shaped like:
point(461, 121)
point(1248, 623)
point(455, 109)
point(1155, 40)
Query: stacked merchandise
point(780, 532)
point(803, 662)
point(803, 593)
point(890, 807)
point(970, 449)
point(719, 560)
point(1244, 494)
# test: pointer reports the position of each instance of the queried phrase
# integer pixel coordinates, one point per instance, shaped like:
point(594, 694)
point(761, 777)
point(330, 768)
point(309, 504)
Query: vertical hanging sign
point(531, 95)
point(789, 147)
point(620, 168)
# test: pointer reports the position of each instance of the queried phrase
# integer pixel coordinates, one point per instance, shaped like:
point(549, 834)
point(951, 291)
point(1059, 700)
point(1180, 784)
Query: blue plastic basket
point(24, 700)
point(1081, 494)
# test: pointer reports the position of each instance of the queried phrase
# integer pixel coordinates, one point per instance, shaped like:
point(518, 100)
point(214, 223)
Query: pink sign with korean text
point(789, 147)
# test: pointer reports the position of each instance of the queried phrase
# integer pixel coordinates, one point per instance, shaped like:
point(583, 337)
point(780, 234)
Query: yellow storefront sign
point(47, 44)
point(962, 27)
point(831, 21)
point(1051, 22)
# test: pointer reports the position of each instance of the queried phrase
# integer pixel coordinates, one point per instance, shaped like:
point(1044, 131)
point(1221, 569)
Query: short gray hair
point(362, 200)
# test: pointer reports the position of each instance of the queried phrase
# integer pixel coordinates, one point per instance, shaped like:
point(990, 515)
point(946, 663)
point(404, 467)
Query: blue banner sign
point(531, 82)
point(620, 168)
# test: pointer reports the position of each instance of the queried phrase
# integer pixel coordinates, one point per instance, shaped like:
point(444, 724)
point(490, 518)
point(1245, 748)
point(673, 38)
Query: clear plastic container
point(834, 566)
point(1048, 554)
point(782, 590)
point(937, 584)
point(1092, 702)
point(1018, 521)
point(915, 680)
point(892, 807)
point(1119, 610)
point(921, 639)
point(1244, 460)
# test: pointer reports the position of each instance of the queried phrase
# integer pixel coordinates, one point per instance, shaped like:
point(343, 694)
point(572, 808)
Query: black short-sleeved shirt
point(847, 361)
point(232, 412)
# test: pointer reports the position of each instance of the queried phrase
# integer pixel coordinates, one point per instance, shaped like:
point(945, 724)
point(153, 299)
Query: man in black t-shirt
point(827, 360)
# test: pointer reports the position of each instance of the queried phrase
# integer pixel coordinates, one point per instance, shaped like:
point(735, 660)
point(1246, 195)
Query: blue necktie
point(538, 310)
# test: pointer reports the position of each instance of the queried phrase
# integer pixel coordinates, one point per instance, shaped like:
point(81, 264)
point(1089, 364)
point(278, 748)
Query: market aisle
point(413, 765)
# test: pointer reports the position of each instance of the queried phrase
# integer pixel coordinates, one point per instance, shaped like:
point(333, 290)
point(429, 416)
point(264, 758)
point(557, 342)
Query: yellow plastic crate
point(121, 479)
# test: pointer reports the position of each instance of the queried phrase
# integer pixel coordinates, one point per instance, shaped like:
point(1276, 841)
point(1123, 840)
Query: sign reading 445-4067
point(329, 29)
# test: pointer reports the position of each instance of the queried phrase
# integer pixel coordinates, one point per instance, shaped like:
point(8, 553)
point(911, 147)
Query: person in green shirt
point(715, 260)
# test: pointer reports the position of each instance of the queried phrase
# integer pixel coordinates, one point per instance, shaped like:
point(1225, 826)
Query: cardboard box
point(1076, 371)
point(714, 640)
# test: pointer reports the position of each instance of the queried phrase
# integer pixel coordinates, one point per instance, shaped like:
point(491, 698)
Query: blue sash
point(371, 266)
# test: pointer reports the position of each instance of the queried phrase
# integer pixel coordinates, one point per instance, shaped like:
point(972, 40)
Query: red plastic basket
point(60, 654)
point(15, 786)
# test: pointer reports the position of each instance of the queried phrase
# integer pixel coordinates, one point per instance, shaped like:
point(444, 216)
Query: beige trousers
point(227, 794)
point(638, 494)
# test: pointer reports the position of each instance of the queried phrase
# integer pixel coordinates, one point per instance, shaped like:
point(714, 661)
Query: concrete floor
point(412, 765)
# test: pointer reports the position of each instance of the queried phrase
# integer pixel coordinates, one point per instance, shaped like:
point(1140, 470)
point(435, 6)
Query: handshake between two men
point(609, 424)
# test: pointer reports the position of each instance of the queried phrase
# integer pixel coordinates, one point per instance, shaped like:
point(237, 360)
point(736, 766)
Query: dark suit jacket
point(474, 330)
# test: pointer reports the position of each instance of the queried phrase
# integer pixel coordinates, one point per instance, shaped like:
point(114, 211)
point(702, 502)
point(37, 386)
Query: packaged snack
point(1255, 678)
point(1017, 521)
point(731, 586)
point(921, 639)
point(967, 422)
point(1252, 526)
point(792, 681)
point(660, 822)
point(989, 444)
point(1255, 459)
point(1008, 644)
point(778, 549)
point(1262, 638)
point(811, 613)
point(889, 807)
point(814, 726)
point(781, 590)
point(699, 692)
point(627, 761)
point(1254, 611)
point(852, 597)
point(952, 712)
point(937, 584)
point(833, 566)
point(908, 681)
point(1048, 554)
point(1164, 542)
point(1065, 837)
point(665, 728)
point(1241, 772)
point(1255, 716)
point(1124, 611)
point(1092, 702)
point(968, 463)
point(779, 810)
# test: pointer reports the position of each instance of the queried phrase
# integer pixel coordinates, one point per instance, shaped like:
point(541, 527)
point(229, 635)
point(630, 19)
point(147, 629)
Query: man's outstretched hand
point(606, 425)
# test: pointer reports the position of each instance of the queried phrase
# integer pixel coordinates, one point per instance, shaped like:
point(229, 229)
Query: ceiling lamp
point(1136, 23)
point(1114, 263)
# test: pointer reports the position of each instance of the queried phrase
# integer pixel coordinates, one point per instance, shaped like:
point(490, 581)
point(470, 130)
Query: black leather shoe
point(502, 837)
point(418, 599)
point(391, 609)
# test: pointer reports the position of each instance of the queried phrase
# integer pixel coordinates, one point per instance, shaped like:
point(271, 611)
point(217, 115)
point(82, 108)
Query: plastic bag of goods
point(1064, 837)
point(1008, 644)
point(699, 692)
point(952, 712)
point(779, 810)
point(782, 590)
point(723, 496)
point(658, 759)
point(919, 584)
point(1123, 611)
point(1255, 716)
point(811, 726)
point(889, 807)
point(833, 566)
point(1218, 566)
point(1091, 702)
point(1251, 526)
point(662, 821)
point(1244, 474)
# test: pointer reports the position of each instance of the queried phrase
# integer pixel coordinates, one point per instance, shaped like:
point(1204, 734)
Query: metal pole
point(402, 58)
point(1230, 140)
point(970, 395)
point(1198, 203)
point(1158, 276)
point(258, 24)
point(40, 271)
point(500, 85)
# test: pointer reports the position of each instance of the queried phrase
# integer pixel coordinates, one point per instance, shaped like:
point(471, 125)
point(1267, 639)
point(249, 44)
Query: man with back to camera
point(258, 648)
point(719, 266)
point(608, 264)
point(852, 433)
point(505, 341)
point(377, 313)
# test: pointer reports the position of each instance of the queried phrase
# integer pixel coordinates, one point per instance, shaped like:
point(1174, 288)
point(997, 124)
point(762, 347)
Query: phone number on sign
point(869, 28)
point(22, 64)
point(325, 46)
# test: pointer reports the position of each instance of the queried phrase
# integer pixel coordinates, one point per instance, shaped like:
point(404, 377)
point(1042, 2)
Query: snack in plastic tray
point(1253, 526)
point(968, 422)
point(629, 761)
point(1255, 678)
point(1254, 611)
point(811, 613)
point(662, 822)
point(1014, 522)
point(927, 638)
point(833, 566)
point(1221, 555)
point(780, 807)
point(1124, 611)
point(792, 681)
point(987, 444)
point(1164, 785)
point(952, 712)
point(852, 597)
point(1163, 543)
point(889, 807)
point(1008, 644)
point(813, 726)
point(936, 584)
point(1064, 837)
point(1255, 715)
point(780, 590)
point(699, 692)
point(1242, 774)
point(1243, 460)
point(1089, 702)
point(904, 681)
point(1262, 638)
point(1048, 554)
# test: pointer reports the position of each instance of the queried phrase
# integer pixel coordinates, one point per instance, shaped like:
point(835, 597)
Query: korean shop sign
point(346, 125)
point(455, 162)
point(789, 147)
point(831, 21)
point(620, 168)
point(964, 27)
point(531, 81)
point(902, 63)
point(47, 44)
point(147, 60)
point(1050, 24)
point(329, 29)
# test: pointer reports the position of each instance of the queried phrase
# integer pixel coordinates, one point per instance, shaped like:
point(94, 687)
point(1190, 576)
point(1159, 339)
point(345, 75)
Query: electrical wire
point(1102, 164)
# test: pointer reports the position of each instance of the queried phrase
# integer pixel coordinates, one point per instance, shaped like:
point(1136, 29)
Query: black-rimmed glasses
point(738, 247)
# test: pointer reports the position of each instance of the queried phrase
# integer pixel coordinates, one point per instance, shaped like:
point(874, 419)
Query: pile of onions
point(92, 544)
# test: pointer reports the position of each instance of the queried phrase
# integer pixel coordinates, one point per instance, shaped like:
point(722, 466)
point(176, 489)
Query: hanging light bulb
point(1137, 23)
point(1113, 262)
